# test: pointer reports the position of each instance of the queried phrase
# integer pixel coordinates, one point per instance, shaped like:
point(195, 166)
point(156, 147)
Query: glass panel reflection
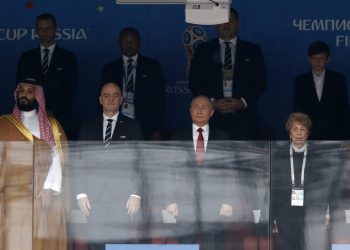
point(181, 201)
point(157, 193)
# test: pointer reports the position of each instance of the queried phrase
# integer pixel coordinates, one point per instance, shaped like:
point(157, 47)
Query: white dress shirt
point(195, 134)
point(319, 83)
point(53, 180)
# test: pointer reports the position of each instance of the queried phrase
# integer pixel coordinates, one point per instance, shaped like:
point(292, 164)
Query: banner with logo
point(284, 30)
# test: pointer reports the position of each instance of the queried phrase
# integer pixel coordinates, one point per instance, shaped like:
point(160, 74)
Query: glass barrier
point(239, 195)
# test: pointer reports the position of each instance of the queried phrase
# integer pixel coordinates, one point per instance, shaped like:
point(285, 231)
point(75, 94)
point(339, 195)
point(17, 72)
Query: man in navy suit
point(109, 190)
point(322, 94)
point(205, 195)
point(141, 80)
point(231, 72)
point(55, 68)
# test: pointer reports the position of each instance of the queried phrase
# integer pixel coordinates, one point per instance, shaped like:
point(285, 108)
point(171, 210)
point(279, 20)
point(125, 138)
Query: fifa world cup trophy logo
point(191, 37)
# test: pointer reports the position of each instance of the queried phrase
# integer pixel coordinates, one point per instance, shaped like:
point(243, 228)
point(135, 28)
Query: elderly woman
point(301, 182)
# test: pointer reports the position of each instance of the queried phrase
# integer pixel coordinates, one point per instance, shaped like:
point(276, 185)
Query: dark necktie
point(228, 56)
point(129, 87)
point(46, 60)
point(108, 135)
point(200, 147)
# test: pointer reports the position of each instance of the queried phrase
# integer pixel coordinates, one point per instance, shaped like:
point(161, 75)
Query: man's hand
point(133, 205)
point(172, 209)
point(234, 105)
point(230, 105)
point(84, 205)
point(226, 210)
point(46, 198)
point(221, 105)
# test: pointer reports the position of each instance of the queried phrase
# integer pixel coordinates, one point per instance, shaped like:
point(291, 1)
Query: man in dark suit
point(114, 192)
point(204, 195)
point(141, 80)
point(54, 67)
point(231, 72)
point(322, 94)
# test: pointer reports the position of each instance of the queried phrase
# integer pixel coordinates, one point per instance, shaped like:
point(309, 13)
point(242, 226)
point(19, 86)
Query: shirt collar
point(114, 118)
point(232, 41)
point(299, 150)
point(125, 58)
point(319, 76)
point(50, 48)
point(205, 128)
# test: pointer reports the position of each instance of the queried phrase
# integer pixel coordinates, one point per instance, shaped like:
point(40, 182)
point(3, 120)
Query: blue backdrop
point(284, 29)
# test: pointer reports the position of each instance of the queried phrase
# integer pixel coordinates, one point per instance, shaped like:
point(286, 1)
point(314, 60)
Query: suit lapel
point(118, 72)
point(99, 129)
point(210, 138)
point(312, 88)
point(238, 54)
point(141, 72)
point(139, 68)
point(119, 67)
point(119, 132)
point(216, 59)
point(326, 86)
point(118, 127)
point(38, 59)
point(53, 61)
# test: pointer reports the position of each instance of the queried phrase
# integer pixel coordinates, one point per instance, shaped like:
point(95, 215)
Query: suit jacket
point(330, 115)
point(59, 82)
point(126, 129)
point(108, 175)
point(201, 190)
point(296, 223)
point(249, 82)
point(149, 91)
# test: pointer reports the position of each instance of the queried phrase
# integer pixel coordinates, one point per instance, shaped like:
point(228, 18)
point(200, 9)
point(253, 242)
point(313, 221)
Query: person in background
point(231, 73)
point(141, 80)
point(322, 94)
point(56, 69)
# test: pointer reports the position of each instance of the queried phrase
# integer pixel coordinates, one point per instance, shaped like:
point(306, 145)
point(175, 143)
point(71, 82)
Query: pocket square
point(122, 137)
point(58, 69)
point(247, 60)
point(144, 76)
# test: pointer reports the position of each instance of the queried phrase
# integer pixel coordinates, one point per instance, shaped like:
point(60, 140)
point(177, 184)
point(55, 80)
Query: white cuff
point(245, 103)
point(82, 195)
point(135, 195)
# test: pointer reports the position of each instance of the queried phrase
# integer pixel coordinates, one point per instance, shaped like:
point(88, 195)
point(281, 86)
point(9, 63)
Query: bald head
point(110, 98)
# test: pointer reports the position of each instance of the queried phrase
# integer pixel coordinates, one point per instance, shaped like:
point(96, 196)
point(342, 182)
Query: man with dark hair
point(322, 94)
point(55, 68)
point(231, 72)
point(32, 211)
point(45, 16)
point(141, 80)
